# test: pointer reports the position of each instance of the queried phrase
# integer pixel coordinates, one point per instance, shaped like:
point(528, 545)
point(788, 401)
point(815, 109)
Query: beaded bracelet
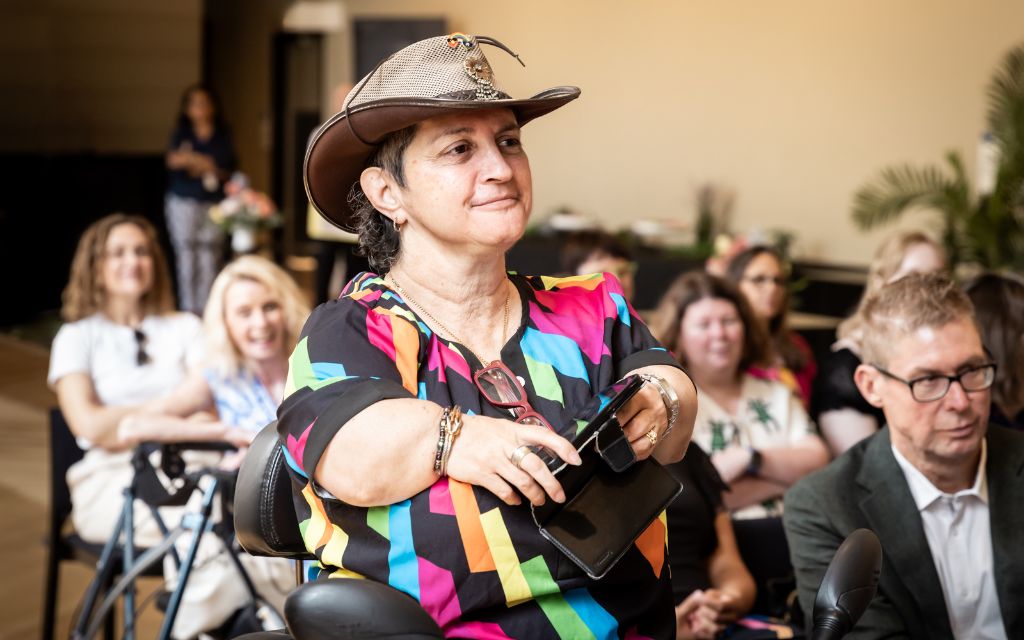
point(441, 438)
point(453, 427)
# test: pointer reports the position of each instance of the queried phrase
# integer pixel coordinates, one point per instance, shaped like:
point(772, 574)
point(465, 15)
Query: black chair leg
point(50, 595)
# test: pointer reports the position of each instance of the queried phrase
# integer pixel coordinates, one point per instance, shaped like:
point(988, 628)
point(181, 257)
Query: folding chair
point(61, 546)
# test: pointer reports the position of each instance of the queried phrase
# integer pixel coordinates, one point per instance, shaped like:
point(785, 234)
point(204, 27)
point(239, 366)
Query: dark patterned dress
point(477, 565)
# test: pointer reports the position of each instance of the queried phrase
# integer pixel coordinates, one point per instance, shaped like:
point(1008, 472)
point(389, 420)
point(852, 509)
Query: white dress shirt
point(960, 538)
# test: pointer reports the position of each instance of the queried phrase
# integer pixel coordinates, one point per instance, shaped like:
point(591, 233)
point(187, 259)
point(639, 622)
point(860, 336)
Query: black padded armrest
point(355, 609)
point(265, 521)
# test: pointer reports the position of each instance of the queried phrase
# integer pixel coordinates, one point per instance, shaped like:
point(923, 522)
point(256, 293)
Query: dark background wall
point(47, 201)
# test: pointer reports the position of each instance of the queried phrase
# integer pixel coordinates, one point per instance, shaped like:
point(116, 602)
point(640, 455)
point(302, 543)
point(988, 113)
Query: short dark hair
point(182, 121)
point(379, 241)
point(695, 286)
point(582, 245)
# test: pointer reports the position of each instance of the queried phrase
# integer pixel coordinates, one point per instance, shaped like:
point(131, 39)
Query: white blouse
point(108, 352)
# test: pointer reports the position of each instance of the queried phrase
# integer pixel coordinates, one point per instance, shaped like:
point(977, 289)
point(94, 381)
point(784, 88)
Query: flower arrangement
point(244, 207)
point(243, 211)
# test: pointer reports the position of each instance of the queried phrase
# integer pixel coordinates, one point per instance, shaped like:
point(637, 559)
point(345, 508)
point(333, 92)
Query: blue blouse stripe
point(604, 626)
point(404, 568)
point(324, 370)
point(621, 307)
point(561, 352)
point(290, 461)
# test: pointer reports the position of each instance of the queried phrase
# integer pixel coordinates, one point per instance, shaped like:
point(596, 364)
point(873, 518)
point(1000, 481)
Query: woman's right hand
point(481, 455)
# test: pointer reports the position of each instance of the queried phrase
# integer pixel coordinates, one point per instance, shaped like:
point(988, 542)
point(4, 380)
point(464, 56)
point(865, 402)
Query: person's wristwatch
point(668, 398)
point(754, 466)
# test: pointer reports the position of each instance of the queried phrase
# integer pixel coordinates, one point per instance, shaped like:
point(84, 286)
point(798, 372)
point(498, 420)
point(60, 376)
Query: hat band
point(470, 95)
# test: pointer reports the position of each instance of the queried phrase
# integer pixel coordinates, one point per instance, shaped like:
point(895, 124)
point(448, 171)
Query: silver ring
point(517, 456)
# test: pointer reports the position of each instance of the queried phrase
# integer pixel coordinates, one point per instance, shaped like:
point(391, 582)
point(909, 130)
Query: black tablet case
point(605, 510)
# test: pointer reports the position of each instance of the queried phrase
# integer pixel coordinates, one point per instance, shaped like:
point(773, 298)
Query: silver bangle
point(668, 397)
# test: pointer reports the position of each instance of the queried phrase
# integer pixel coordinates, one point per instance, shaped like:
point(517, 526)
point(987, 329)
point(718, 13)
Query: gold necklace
point(440, 325)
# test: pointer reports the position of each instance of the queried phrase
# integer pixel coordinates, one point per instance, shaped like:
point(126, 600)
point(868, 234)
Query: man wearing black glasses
point(942, 489)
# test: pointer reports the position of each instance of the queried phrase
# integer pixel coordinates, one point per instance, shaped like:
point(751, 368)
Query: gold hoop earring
point(397, 226)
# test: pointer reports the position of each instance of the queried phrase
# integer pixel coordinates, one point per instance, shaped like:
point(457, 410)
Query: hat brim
point(335, 157)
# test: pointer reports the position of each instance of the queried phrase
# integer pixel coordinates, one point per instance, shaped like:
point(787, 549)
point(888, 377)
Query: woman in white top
point(123, 345)
point(252, 321)
point(756, 431)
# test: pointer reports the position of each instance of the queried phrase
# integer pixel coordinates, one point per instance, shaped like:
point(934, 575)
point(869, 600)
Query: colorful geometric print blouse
point(478, 566)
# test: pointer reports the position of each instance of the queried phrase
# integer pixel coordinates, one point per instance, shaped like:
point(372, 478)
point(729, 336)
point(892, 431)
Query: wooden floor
point(24, 491)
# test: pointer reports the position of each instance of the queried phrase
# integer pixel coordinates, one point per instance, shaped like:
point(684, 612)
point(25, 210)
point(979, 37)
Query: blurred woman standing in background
point(200, 159)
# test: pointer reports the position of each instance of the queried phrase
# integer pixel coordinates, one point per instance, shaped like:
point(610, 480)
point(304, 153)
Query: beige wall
point(790, 103)
point(96, 75)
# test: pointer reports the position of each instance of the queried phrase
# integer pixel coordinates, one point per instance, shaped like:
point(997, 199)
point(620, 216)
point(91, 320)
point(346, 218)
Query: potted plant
point(984, 226)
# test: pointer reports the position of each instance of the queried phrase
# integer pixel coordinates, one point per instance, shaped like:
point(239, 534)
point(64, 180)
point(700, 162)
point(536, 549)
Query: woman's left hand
point(644, 420)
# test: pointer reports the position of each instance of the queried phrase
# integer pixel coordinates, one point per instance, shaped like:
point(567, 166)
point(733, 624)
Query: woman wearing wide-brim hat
point(412, 474)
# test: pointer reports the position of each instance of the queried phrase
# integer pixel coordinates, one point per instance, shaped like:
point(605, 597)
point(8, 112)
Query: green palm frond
point(1006, 122)
point(905, 186)
point(1006, 102)
point(958, 196)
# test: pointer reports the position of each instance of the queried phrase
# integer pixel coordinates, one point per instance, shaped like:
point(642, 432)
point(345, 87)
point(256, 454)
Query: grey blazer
point(865, 488)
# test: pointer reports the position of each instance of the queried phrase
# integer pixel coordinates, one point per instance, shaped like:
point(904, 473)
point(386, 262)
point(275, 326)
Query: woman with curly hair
point(123, 344)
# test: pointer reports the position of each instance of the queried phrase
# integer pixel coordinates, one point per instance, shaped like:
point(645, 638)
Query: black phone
point(611, 442)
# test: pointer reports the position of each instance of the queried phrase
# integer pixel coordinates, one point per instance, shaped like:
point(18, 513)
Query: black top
point(219, 146)
point(691, 522)
point(835, 389)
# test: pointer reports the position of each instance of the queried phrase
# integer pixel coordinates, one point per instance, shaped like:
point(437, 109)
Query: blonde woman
point(252, 320)
point(843, 415)
point(123, 344)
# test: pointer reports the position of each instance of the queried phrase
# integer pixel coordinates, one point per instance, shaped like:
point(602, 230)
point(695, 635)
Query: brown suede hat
point(425, 79)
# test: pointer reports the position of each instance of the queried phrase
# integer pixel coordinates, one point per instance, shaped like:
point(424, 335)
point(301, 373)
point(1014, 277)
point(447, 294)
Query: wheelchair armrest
point(351, 609)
